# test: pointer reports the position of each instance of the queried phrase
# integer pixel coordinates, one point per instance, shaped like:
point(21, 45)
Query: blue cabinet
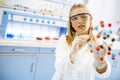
point(45, 64)
point(17, 67)
point(18, 50)
point(45, 67)
point(26, 63)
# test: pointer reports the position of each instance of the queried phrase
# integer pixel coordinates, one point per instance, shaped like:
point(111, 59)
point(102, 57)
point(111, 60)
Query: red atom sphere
point(113, 58)
point(98, 36)
point(98, 48)
point(101, 58)
point(102, 24)
point(88, 39)
point(109, 53)
point(109, 25)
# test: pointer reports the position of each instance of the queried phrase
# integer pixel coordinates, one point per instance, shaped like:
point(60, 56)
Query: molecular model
point(104, 34)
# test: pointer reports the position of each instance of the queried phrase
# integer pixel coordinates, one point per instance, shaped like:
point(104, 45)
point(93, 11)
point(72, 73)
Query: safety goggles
point(81, 16)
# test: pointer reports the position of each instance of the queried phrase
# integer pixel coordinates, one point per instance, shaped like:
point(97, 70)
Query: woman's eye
point(83, 16)
point(74, 18)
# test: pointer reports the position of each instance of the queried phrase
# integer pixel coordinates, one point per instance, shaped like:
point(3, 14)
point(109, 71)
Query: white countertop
point(29, 43)
point(35, 43)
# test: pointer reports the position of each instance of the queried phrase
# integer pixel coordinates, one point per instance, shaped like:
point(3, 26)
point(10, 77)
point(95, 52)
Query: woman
point(79, 56)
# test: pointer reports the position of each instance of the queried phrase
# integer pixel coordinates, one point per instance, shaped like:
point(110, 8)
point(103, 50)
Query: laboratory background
point(30, 29)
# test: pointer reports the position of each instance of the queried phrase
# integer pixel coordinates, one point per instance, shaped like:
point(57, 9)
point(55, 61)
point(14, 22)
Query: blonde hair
point(71, 32)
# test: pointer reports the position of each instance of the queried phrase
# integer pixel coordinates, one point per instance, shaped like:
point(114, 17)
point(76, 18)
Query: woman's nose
point(80, 21)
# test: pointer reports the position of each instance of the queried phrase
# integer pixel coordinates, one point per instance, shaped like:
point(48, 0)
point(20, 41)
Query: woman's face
point(80, 19)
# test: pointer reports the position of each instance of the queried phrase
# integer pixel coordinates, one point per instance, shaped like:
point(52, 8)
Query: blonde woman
point(75, 60)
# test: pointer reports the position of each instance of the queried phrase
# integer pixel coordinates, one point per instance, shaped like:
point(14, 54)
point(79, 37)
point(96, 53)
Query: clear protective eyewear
point(81, 16)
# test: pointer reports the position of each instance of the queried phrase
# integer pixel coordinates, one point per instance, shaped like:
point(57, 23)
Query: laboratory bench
point(26, 60)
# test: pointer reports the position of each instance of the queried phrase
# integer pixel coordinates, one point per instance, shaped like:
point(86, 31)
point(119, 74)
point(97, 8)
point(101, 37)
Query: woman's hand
point(77, 44)
point(100, 55)
point(100, 52)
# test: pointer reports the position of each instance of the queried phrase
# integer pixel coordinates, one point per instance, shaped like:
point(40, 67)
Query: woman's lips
point(81, 26)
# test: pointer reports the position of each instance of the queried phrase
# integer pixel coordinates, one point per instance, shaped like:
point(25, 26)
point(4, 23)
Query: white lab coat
point(83, 67)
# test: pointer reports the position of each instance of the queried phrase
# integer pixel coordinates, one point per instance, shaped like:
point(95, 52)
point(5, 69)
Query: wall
point(107, 10)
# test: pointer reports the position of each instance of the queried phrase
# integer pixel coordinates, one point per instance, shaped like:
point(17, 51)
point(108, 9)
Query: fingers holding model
point(77, 44)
